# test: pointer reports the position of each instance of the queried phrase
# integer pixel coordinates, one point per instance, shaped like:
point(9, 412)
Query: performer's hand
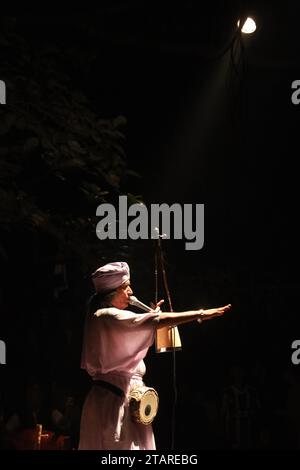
point(214, 312)
point(156, 308)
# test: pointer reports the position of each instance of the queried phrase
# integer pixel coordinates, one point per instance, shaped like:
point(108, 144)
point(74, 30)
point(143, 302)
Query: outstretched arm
point(177, 318)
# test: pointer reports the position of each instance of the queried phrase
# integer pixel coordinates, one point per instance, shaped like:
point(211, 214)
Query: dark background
point(208, 120)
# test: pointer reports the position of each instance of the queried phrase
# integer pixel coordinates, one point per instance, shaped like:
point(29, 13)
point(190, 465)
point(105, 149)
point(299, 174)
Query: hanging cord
point(159, 256)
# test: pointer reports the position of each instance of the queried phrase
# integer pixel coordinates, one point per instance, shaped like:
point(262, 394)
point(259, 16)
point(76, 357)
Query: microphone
point(134, 301)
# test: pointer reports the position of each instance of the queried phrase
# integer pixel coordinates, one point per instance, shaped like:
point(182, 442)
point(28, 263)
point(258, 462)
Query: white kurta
point(114, 346)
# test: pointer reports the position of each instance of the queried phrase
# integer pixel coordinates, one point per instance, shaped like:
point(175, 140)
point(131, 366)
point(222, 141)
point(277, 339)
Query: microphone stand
point(167, 339)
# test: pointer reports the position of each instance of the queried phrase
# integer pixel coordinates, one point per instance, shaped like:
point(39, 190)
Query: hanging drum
point(143, 403)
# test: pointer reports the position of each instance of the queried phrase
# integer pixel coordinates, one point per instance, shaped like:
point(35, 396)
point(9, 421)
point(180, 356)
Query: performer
point(114, 346)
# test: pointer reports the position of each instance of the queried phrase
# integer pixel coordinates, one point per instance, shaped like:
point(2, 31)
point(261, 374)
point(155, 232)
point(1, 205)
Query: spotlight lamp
point(248, 27)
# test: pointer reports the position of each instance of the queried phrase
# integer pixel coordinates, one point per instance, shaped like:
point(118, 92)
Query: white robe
point(114, 346)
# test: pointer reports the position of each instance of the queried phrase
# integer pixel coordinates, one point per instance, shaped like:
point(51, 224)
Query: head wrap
point(111, 276)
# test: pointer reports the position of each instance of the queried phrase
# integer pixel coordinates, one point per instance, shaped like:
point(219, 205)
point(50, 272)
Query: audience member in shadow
point(261, 381)
point(65, 414)
point(31, 410)
point(239, 411)
point(288, 432)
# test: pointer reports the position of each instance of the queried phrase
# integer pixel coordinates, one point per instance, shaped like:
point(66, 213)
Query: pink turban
point(111, 276)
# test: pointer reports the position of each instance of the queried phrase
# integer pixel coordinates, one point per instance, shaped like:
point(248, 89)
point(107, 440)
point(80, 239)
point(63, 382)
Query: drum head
point(144, 404)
